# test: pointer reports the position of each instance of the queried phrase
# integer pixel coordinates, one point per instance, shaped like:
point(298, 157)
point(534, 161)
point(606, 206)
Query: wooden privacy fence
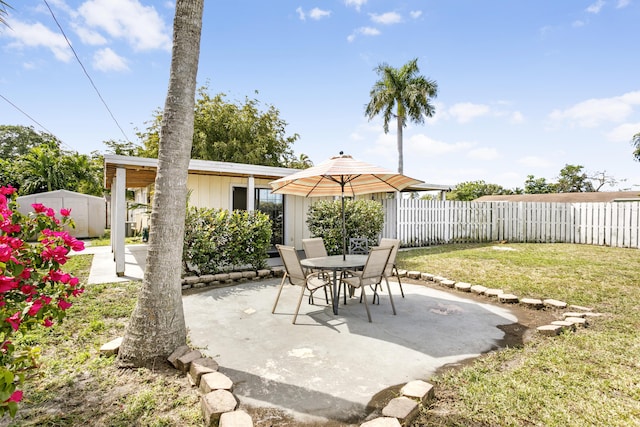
point(430, 222)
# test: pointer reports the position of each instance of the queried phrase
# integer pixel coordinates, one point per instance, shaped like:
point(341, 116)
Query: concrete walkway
point(326, 367)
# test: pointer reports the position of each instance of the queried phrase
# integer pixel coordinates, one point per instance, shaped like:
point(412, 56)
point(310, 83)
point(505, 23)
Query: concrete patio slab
point(330, 367)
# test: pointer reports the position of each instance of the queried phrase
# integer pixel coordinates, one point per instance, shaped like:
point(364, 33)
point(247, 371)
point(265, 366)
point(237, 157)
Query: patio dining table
point(335, 263)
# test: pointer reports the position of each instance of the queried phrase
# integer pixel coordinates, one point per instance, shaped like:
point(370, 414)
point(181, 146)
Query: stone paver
point(493, 292)
point(549, 330)
point(402, 408)
point(382, 422)
point(183, 363)
point(578, 321)
point(215, 381)
point(216, 403)
point(478, 289)
point(237, 418)
point(554, 303)
point(177, 353)
point(112, 347)
point(532, 303)
point(463, 286)
point(418, 389)
point(508, 298)
point(199, 367)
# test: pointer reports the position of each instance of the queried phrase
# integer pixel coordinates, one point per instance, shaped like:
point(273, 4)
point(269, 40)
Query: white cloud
point(317, 13)
point(535, 162)
point(423, 144)
point(388, 18)
point(577, 24)
point(517, 117)
point(593, 112)
point(301, 14)
point(466, 111)
point(140, 25)
point(107, 60)
point(37, 35)
point(365, 31)
point(355, 3)
point(623, 3)
point(89, 37)
point(484, 153)
point(415, 14)
point(624, 132)
point(596, 7)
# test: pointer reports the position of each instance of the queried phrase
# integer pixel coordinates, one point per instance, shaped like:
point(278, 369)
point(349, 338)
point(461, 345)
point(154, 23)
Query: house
point(211, 184)
point(89, 213)
point(588, 197)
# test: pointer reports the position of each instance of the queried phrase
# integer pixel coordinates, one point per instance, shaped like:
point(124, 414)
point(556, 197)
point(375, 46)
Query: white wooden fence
point(429, 222)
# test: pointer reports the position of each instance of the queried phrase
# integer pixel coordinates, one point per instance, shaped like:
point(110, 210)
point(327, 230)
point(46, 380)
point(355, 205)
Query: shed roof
point(589, 197)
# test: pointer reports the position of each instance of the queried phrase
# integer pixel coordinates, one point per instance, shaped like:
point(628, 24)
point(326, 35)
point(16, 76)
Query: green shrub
point(217, 240)
point(363, 218)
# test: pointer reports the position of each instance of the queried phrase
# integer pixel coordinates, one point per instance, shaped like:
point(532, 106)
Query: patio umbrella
point(342, 176)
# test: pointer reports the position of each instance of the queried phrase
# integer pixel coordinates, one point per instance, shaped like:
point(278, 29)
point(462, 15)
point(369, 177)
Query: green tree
point(471, 190)
point(157, 325)
point(233, 132)
point(535, 185)
point(406, 91)
point(16, 141)
point(42, 169)
point(572, 179)
point(636, 143)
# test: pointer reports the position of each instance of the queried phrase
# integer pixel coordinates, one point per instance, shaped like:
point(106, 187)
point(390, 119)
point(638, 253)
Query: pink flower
point(47, 322)
point(58, 254)
point(65, 212)
point(39, 207)
point(16, 396)
point(28, 289)
point(74, 281)
point(5, 252)
point(65, 278)
point(35, 307)
point(77, 292)
point(8, 283)
point(8, 190)
point(14, 321)
point(50, 212)
point(63, 305)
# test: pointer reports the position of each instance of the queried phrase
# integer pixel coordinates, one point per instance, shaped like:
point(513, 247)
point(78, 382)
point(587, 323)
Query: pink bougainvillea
point(34, 291)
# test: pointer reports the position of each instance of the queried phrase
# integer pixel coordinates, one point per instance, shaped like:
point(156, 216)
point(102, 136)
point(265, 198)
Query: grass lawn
point(587, 378)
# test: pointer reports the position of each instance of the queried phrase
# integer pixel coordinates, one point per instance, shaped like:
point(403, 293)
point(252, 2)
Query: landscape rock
point(549, 330)
point(427, 277)
point(463, 286)
point(572, 314)
point(216, 403)
point(577, 321)
point(493, 292)
point(177, 353)
point(418, 389)
point(532, 303)
point(554, 303)
point(402, 408)
point(478, 289)
point(215, 381)
point(382, 422)
point(111, 348)
point(414, 274)
point(448, 283)
point(199, 367)
point(183, 363)
point(237, 418)
point(508, 298)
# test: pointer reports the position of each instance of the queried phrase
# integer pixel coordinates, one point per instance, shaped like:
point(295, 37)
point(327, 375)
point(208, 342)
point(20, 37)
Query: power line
point(85, 72)
point(35, 121)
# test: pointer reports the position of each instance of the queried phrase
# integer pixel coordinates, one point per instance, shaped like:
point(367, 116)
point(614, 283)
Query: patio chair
point(372, 274)
point(358, 245)
point(314, 247)
point(390, 268)
point(296, 276)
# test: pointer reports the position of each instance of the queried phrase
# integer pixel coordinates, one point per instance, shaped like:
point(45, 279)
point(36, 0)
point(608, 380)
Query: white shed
point(88, 212)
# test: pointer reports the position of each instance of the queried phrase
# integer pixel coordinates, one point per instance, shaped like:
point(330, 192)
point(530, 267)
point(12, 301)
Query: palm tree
point(407, 91)
point(636, 143)
point(157, 326)
point(3, 11)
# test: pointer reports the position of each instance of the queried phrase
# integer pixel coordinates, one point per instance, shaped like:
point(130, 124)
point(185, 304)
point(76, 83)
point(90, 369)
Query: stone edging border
point(220, 407)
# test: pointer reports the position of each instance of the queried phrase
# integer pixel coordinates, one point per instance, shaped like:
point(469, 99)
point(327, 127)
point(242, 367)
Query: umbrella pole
point(344, 229)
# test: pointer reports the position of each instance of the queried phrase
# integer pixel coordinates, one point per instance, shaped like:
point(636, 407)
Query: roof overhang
point(141, 171)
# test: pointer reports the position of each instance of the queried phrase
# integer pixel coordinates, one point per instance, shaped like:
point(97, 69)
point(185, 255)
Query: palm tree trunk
point(399, 137)
point(157, 325)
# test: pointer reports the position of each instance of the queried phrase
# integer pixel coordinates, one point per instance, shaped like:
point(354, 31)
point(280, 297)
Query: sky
point(524, 87)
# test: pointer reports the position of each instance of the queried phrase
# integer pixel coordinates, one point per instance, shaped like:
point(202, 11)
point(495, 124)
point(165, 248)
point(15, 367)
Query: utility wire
point(35, 121)
point(85, 72)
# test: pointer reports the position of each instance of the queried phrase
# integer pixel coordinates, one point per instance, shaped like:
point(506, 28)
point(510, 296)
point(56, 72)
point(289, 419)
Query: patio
point(326, 367)
point(329, 367)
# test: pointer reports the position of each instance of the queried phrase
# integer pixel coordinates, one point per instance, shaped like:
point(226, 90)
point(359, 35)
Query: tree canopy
point(471, 190)
point(240, 132)
point(34, 162)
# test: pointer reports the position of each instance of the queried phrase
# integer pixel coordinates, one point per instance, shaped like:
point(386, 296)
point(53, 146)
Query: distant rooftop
point(590, 197)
